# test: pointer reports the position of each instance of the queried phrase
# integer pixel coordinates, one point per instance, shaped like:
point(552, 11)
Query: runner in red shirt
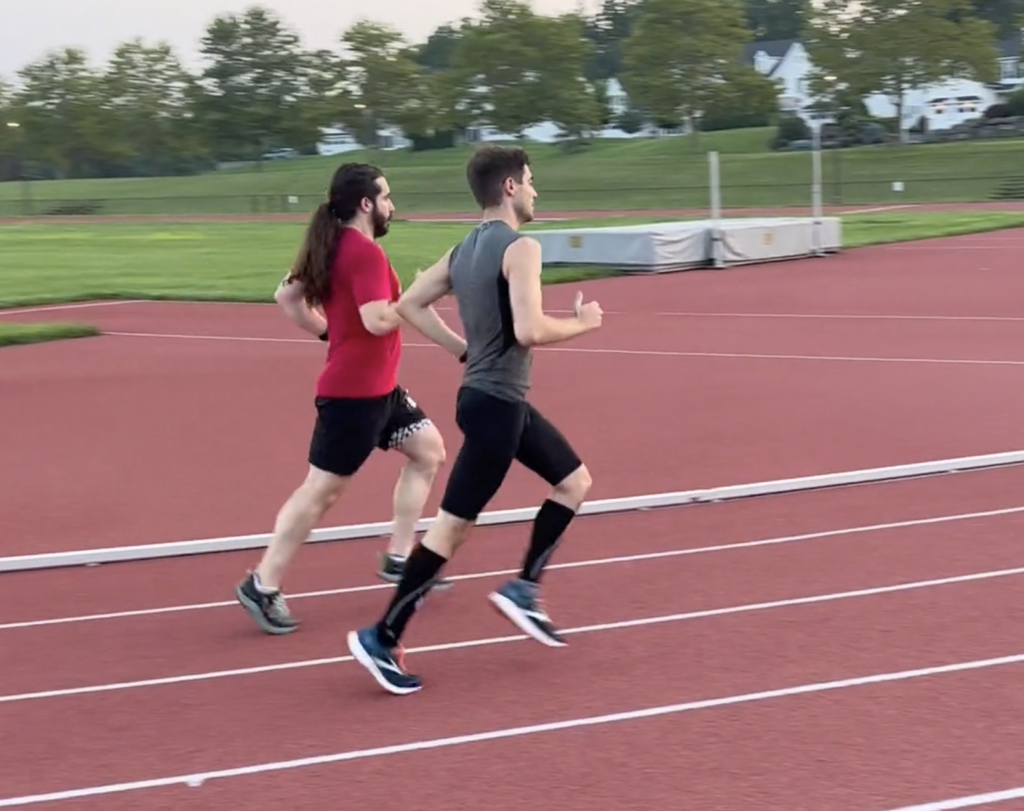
point(343, 289)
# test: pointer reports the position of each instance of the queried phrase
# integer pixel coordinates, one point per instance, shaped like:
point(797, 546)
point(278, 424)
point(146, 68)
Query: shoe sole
point(364, 658)
point(257, 615)
point(514, 614)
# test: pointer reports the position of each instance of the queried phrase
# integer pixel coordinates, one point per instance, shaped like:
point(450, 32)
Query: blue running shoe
point(386, 666)
point(519, 602)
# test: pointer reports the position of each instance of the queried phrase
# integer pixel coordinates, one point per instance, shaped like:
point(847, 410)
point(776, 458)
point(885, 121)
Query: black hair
point(352, 183)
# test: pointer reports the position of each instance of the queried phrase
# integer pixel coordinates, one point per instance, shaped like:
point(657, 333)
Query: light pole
point(20, 159)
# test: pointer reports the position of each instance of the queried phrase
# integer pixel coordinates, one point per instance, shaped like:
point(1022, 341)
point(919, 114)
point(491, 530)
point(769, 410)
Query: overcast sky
point(29, 28)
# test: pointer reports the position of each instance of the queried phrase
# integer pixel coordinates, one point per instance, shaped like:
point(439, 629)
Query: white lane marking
point(607, 351)
point(197, 779)
point(841, 316)
point(49, 308)
point(968, 801)
point(672, 553)
point(498, 640)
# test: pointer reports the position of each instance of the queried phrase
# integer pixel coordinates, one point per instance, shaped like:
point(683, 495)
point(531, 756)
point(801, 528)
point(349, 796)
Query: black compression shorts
point(496, 432)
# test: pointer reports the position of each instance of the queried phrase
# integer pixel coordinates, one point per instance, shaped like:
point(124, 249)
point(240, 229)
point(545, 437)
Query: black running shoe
point(392, 568)
point(269, 610)
point(519, 602)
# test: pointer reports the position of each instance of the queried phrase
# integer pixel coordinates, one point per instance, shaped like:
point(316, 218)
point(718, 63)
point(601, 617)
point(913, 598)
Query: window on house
point(1008, 69)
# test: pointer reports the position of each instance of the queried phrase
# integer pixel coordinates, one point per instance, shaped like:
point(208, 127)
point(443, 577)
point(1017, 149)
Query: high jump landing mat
point(663, 247)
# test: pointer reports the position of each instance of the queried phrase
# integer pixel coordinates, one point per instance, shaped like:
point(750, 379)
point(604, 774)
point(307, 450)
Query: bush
point(630, 121)
point(1015, 104)
point(791, 128)
point(998, 111)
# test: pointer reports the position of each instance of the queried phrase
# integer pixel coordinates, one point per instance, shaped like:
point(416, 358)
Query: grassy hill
point(606, 175)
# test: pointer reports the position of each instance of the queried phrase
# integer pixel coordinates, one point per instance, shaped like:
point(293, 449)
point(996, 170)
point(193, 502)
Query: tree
point(10, 134)
point(518, 68)
point(563, 94)
point(744, 99)
point(609, 29)
point(1006, 15)
point(891, 46)
point(252, 83)
point(678, 54)
point(437, 52)
point(148, 102)
point(322, 100)
point(776, 19)
point(496, 62)
point(63, 123)
point(388, 86)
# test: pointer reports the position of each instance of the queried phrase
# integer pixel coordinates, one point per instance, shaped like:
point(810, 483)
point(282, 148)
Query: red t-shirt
point(359, 364)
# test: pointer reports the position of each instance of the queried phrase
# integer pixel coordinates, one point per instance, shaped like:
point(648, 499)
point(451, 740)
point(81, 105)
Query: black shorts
point(495, 432)
point(348, 430)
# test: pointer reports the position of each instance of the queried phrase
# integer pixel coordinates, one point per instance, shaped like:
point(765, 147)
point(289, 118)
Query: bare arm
point(416, 307)
point(290, 297)
point(532, 325)
point(379, 317)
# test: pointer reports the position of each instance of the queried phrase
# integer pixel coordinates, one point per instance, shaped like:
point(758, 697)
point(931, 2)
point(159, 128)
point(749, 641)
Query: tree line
point(260, 89)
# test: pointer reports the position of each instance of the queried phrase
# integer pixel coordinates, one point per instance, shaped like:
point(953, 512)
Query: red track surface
point(177, 437)
point(911, 740)
point(697, 379)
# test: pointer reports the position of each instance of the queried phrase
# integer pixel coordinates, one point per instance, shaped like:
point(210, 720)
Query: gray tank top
point(496, 363)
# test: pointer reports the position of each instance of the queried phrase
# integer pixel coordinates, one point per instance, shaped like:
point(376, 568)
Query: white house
point(787, 62)
point(944, 104)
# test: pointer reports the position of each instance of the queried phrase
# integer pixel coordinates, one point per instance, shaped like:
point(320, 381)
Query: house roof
point(775, 48)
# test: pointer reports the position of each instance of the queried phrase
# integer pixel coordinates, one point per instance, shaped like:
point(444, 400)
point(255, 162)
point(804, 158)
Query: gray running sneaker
point(270, 610)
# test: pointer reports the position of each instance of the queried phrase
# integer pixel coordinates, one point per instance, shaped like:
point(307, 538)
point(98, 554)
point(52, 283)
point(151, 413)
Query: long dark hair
point(351, 184)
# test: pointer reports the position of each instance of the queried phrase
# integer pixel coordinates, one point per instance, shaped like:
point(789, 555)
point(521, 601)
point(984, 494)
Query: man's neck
point(501, 215)
point(363, 228)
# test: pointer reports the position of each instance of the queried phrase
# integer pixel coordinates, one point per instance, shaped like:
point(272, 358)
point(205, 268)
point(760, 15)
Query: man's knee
point(323, 487)
point(574, 487)
point(425, 448)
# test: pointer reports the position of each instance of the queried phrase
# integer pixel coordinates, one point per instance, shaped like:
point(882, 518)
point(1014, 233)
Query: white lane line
point(197, 779)
point(198, 337)
point(498, 640)
point(49, 308)
point(605, 351)
point(640, 313)
point(672, 553)
point(840, 316)
point(968, 801)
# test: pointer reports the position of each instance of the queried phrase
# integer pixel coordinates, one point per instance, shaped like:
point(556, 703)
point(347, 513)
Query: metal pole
point(816, 204)
point(716, 210)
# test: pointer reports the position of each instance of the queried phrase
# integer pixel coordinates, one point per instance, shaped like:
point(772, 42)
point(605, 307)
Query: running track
point(855, 649)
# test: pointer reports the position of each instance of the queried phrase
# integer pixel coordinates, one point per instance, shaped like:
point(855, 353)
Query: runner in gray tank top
point(494, 274)
point(497, 364)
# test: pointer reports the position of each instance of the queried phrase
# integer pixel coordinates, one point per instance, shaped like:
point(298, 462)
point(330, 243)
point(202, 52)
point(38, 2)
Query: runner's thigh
point(544, 450)
point(346, 432)
point(491, 429)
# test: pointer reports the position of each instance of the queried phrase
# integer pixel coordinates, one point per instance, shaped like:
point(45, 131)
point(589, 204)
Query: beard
point(381, 223)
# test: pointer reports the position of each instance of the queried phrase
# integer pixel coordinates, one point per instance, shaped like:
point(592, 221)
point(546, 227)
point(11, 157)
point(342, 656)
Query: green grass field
point(608, 175)
point(20, 334)
point(44, 264)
